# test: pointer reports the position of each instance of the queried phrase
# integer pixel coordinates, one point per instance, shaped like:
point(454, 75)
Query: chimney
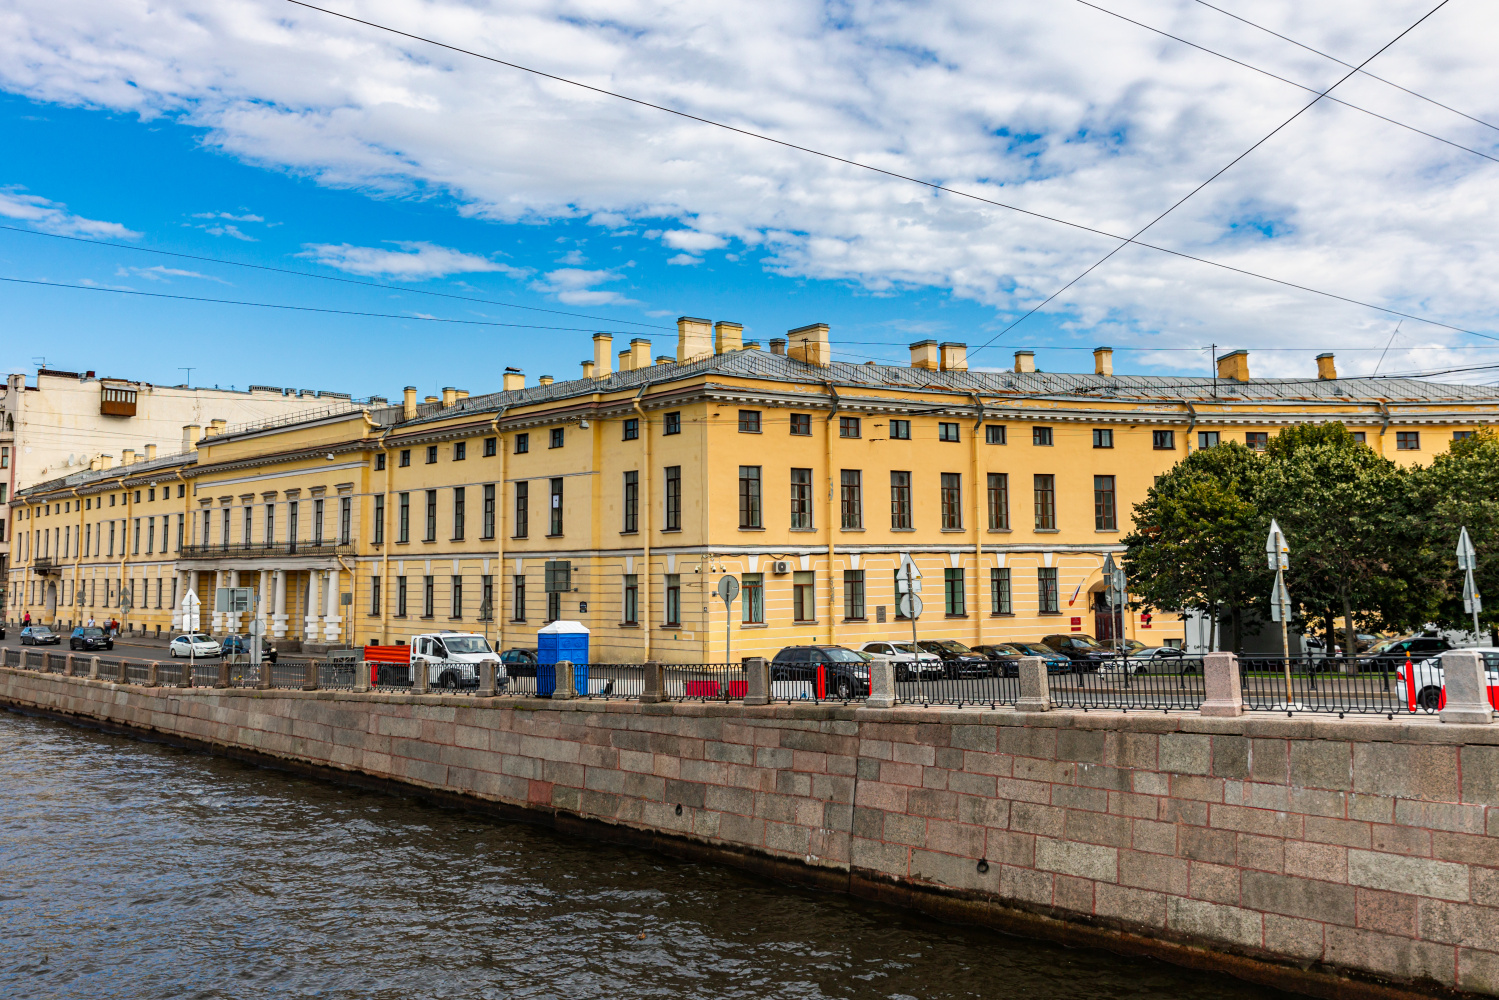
point(809, 344)
point(924, 355)
point(127, 456)
point(588, 369)
point(462, 394)
point(665, 359)
point(431, 399)
point(545, 380)
point(217, 426)
point(1103, 361)
point(727, 337)
point(190, 435)
point(150, 453)
point(751, 345)
point(603, 365)
point(449, 396)
point(954, 357)
point(626, 362)
point(640, 353)
point(1025, 361)
point(408, 403)
point(1234, 365)
point(694, 339)
point(1326, 369)
point(514, 379)
point(777, 345)
point(106, 461)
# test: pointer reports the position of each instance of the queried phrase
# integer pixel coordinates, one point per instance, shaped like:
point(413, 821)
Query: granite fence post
point(1035, 686)
point(756, 681)
point(153, 674)
point(1223, 684)
point(223, 674)
point(264, 675)
point(655, 689)
point(187, 673)
point(1467, 688)
point(124, 672)
point(93, 668)
point(881, 685)
point(421, 677)
point(361, 677)
point(487, 679)
point(67, 669)
point(564, 688)
point(310, 679)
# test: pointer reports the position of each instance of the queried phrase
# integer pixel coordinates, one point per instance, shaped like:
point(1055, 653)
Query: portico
point(297, 598)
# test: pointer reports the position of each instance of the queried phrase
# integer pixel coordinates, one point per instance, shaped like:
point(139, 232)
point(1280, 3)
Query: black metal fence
point(991, 684)
point(1174, 684)
point(1344, 685)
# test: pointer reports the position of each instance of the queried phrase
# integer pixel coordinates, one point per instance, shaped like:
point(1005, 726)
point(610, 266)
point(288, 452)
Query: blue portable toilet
point(561, 640)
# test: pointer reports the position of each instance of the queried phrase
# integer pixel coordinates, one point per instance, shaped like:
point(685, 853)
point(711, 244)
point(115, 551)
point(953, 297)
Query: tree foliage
point(1461, 489)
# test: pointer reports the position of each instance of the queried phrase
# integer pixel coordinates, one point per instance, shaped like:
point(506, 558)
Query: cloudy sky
point(264, 132)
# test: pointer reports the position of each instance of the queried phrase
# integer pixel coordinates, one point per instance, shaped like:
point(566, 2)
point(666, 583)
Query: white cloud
point(414, 260)
point(228, 215)
point(54, 217)
point(1056, 108)
point(684, 259)
point(572, 257)
point(163, 273)
point(575, 287)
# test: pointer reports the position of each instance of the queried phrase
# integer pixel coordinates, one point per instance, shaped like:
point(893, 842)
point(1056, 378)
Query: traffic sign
point(1277, 553)
point(1467, 556)
point(190, 608)
point(910, 605)
point(908, 577)
point(1280, 601)
point(1472, 603)
point(728, 589)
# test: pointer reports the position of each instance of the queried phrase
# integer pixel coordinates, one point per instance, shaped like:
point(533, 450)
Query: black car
point(520, 661)
point(1086, 653)
point(1004, 658)
point(844, 672)
point(39, 635)
point(1390, 654)
point(958, 659)
point(90, 637)
point(239, 645)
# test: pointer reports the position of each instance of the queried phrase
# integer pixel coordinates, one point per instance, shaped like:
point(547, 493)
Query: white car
point(197, 645)
point(1429, 680)
point(909, 661)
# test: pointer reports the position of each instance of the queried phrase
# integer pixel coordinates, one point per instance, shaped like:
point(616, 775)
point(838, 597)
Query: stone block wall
point(1297, 851)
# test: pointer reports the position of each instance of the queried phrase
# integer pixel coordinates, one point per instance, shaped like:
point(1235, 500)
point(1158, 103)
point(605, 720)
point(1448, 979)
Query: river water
point(137, 869)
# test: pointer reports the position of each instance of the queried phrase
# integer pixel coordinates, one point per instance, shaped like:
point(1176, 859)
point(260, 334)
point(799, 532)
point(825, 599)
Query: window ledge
point(629, 624)
point(847, 621)
point(851, 531)
point(743, 528)
point(803, 530)
point(1048, 531)
point(1001, 614)
point(1001, 531)
point(556, 536)
point(955, 616)
point(744, 626)
point(902, 529)
point(519, 538)
point(1106, 531)
point(952, 531)
point(517, 621)
point(456, 538)
point(672, 627)
point(636, 532)
point(1049, 614)
point(486, 538)
point(671, 531)
point(812, 622)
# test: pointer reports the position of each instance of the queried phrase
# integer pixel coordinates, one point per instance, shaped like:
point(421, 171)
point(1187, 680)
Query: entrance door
point(1105, 620)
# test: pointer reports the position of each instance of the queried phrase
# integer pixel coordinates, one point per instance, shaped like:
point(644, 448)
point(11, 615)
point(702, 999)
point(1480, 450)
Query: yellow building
point(622, 498)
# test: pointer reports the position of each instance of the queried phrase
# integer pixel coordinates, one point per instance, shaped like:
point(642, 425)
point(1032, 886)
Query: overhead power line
point(327, 277)
point(1340, 62)
point(931, 185)
point(1219, 173)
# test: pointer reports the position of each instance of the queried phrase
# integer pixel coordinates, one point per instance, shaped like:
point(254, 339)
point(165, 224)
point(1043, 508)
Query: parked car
point(2, 628)
point(1428, 680)
point(90, 637)
point(844, 672)
point(1085, 652)
point(957, 659)
point(196, 644)
point(39, 635)
point(1390, 654)
point(1056, 663)
point(520, 661)
point(909, 661)
point(1004, 659)
point(239, 645)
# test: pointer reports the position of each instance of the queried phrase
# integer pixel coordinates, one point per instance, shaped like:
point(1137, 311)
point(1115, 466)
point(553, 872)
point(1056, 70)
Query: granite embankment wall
point(1337, 857)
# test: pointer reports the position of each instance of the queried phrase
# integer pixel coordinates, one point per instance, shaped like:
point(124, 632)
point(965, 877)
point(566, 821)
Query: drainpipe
point(832, 509)
point(645, 520)
point(1385, 409)
point(496, 607)
point(77, 545)
point(1192, 410)
point(979, 487)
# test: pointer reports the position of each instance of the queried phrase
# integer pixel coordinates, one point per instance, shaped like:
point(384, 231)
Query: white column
point(263, 606)
point(211, 601)
point(233, 622)
point(314, 605)
point(278, 615)
point(332, 617)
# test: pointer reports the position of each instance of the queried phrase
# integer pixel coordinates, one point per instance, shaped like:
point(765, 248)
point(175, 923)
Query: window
point(1407, 440)
point(182, 528)
point(150, 495)
point(522, 445)
point(374, 595)
point(1046, 503)
point(671, 423)
point(456, 587)
point(345, 520)
point(801, 424)
point(518, 588)
point(380, 461)
point(1358, 436)
point(460, 502)
point(900, 501)
point(317, 523)
point(486, 597)
point(752, 599)
point(631, 612)
point(379, 520)
point(632, 503)
point(999, 501)
point(954, 601)
point(804, 597)
point(673, 497)
point(428, 596)
point(1047, 600)
point(247, 527)
point(1103, 437)
point(491, 447)
point(554, 528)
point(556, 438)
point(947, 431)
point(293, 511)
point(488, 514)
point(1104, 518)
point(900, 430)
point(632, 429)
point(431, 535)
point(1207, 439)
point(801, 499)
point(223, 526)
point(1041, 437)
point(673, 601)
point(460, 450)
point(952, 501)
point(994, 434)
point(853, 594)
point(431, 454)
point(136, 545)
point(848, 427)
point(999, 592)
point(4, 458)
point(403, 517)
point(1456, 436)
point(1163, 440)
point(554, 607)
point(405, 457)
point(749, 497)
point(522, 510)
point(1257, 440)
point(851, 498)
point(749, 421)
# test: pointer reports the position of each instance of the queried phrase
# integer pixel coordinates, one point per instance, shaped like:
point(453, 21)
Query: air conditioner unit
point(781, 566)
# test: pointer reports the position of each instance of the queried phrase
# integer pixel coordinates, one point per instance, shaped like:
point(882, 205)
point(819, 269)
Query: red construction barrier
point(822, 682)
point(385, 654)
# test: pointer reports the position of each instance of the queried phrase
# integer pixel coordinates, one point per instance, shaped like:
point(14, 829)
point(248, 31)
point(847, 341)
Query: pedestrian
point(26, 622)
point(90, 622)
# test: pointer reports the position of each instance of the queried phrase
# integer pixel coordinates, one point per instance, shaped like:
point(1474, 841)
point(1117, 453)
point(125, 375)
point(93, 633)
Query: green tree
point(1461, 489)
point(1195, 544)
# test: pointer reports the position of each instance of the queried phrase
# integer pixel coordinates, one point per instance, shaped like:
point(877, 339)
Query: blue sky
point(251, 131)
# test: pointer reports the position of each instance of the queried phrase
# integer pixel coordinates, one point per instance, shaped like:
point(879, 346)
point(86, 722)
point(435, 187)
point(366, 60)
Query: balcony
point(44, 566)
point(265, 550)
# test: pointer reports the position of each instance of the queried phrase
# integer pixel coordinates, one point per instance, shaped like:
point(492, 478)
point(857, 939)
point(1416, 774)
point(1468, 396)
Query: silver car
point(910, 662)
